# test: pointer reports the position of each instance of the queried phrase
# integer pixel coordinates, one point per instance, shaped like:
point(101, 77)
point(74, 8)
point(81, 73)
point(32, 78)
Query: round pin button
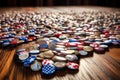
point(47, 61)
point(60, 65)
point(60, 46)
point(94, 45)
point(115, 43)
point(61, 37)
point(29, 60)
point(72, 48)
point(73, 40)
point(83, 53)
point(20, 50)
point(71, 57)
point(99, 49)
point(5, 43)
point(59, 58)
point(71, 44)
point(51, 46)
point(68, 52)
point(88, 48)
point(80, 47)
point(59, 49)
point(104, 46)
point(48, 54)
point(48, 69)
point(23, 55)
point(36, 66)
point(107, 42)
point(41, 55)
point(43, 46)
point(72, 65)
point(34, 52)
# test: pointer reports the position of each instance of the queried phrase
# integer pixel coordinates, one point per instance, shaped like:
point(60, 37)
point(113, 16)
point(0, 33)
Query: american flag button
point(47, 61)
point(72, 65)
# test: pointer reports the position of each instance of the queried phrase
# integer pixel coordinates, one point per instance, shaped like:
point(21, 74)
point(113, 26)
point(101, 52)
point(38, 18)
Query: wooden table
point(96, 67)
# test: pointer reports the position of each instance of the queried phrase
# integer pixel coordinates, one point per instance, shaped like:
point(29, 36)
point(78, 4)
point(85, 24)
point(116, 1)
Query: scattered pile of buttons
point(50, 56)
point(20, 27)
point(61, 38)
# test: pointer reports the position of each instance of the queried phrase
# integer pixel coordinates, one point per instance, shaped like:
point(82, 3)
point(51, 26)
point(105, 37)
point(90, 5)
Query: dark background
point(34, 3)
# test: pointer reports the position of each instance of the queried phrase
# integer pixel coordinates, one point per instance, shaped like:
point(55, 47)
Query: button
point(43, 46)
point(68, 52)
point(73, 40)
point(83, 53)
point(47, 61)
point(118, 37)
point(59, 58)
point(36, 66)
point(88, 48)
point(103, 46)
point(41, 41)
point(5, 43)
point(60, 65)
point(61, 37)
point(94, 45)
point(34, 52)
point(57, 34)
point(60, 46)
point(72, 65)
point(99, 49)
point(59, 53)
point(59, 49)
point(20, 50)
point(107, 42)
point(80, 47)
point(115, 43)
point(40, 56)
point(72, 48)
point(71, 57)
point(24, 39)
point(87, 42)
point(29, 60)
point(23, 55)
point(71, 44)
point(48, 69)
point(48, 54)
point(51, 46)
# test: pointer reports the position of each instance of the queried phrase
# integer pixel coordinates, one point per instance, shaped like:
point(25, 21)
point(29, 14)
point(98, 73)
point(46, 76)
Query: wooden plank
point(7, 65)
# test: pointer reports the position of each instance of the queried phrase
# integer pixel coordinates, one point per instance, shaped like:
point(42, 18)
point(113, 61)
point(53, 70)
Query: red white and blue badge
point(48, 69)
